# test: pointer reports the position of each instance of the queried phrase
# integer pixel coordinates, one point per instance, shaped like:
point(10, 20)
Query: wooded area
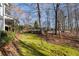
point(41, 28)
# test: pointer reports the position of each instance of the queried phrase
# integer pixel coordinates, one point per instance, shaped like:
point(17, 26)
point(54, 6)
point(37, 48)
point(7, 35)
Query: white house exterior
point(1, 17)
point(4, 16)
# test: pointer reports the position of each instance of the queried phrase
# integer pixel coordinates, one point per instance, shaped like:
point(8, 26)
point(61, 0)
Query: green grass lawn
point(32, 45)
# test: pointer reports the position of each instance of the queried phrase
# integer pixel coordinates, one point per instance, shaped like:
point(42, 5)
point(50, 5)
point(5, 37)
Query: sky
point(29, 9)
point(27, 12)
point(43, 14)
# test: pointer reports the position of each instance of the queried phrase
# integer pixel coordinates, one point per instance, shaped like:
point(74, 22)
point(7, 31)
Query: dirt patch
point(10, 49)
point(65, 39)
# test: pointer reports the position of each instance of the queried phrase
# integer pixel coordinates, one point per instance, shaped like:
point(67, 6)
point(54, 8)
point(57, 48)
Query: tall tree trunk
point(39, 16)
point(56, 21)
point(48, 20)
point(76, 20)
point(68, 17)
point(63, 24)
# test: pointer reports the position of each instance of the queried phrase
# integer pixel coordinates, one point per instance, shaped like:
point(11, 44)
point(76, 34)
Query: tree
point(56, 7)
point(39, 16)
point(76, 19)
point(69, 8)
point(60, 19)
point(36, 25)
point(48, 20)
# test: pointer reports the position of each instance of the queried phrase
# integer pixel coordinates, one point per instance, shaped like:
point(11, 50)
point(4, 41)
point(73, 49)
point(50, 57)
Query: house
point(7, 21)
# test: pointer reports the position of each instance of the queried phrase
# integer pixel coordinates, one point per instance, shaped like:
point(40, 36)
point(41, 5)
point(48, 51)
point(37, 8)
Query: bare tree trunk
point(76, 21)
point(63, 24)
point(56, 21)
point(68, 17)
point(48, 20)
point(39, 16)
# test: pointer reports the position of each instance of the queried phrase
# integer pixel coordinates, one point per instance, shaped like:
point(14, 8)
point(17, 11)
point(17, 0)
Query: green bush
point(36, 26)
point(6, 37)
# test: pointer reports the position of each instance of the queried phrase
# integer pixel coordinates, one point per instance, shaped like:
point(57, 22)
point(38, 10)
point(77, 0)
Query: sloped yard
point(32, 45)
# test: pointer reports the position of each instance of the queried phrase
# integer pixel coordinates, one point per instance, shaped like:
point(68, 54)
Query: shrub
point(6, 37)
point(36, 26)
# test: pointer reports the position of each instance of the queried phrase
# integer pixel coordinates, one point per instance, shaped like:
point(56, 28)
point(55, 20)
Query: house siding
point(5, 16)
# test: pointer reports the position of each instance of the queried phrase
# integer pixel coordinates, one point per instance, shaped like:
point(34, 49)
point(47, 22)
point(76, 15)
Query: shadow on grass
point(33, 50)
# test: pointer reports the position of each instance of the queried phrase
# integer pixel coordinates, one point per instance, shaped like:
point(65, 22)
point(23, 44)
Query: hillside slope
point(31, 44)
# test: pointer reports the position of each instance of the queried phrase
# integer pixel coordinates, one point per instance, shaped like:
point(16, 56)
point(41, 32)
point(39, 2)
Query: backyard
point(32, 44)
point(39, 29)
